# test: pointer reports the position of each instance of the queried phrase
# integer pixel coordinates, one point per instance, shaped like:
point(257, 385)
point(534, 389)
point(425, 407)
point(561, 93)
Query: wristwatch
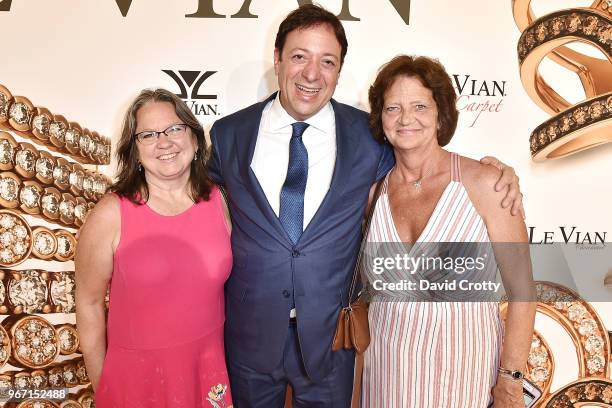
point(515, 374)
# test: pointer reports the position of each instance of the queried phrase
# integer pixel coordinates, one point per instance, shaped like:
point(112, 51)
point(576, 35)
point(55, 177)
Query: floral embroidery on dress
point(216, 396)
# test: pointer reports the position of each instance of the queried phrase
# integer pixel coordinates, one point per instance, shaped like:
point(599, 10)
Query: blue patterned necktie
point(291, 213)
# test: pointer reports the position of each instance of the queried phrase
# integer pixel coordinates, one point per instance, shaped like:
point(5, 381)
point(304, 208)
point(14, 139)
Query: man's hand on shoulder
point(508, 179)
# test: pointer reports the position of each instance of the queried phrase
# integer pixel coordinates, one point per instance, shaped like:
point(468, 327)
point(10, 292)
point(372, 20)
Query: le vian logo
point(206, 9)
point(189, 83)
point(478, 96)
point(568, 235)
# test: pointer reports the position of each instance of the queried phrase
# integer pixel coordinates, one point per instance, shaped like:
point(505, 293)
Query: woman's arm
point(98, 240)
point(511, 249)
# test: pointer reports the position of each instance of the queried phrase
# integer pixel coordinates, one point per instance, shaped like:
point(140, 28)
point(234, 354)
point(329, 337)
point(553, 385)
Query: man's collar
point(279, 118)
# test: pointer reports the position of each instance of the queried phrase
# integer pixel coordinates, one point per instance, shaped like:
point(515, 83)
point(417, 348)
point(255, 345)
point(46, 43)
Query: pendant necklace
point(418, 184)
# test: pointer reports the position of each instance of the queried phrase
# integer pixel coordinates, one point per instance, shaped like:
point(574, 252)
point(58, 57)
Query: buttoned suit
point(270, 273)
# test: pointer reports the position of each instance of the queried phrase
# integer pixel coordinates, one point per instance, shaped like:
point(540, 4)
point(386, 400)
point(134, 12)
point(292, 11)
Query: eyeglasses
point(149, 137)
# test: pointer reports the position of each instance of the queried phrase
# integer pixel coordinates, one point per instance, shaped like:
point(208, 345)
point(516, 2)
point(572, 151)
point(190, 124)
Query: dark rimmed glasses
point(149, 137)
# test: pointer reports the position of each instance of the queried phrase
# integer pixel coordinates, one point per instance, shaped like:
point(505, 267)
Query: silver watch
point(515, 374)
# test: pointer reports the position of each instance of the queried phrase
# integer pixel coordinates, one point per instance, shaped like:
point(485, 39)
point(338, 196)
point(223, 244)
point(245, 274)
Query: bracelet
point(57, 244)
point(510, 377)
point(33, 342)
point(18, 241)
point(30, 163)
point(69, 373)
point(514, 374)
point(37, 291)
point(54, 131)
point(31, 198)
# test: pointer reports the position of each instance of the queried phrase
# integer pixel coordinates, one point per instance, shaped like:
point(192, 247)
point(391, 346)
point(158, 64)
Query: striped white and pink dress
point(432, 354)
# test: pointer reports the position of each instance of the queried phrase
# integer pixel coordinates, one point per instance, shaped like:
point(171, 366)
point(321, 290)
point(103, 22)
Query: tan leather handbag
point(352, 329)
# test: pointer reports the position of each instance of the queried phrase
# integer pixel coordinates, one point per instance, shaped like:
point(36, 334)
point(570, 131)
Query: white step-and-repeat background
point(86, 60)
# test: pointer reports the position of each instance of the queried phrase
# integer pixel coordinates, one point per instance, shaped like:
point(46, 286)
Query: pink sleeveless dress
point(166, 313)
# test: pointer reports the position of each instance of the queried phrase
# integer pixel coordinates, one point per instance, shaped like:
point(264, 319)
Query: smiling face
point(167, 159)
point(410, 114)
point(307, 70)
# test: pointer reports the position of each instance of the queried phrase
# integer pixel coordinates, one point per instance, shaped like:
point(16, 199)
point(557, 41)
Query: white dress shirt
point(271, 155)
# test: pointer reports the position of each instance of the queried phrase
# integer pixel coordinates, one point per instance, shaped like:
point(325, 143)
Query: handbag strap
point(357, 379)
point(366, 231)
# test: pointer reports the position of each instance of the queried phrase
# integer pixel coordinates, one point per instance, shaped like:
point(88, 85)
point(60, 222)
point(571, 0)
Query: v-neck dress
point(424, 353)
point(166, 312)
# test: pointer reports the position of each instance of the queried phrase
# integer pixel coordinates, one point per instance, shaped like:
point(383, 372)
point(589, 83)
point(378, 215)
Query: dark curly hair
point(307, 16)
point(433, 76)
point(131, 182)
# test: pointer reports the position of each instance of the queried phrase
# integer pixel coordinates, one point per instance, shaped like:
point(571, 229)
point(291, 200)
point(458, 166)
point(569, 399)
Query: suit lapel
point(248, 131)
point(347, 143)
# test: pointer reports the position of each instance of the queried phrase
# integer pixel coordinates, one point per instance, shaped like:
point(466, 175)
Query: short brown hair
point(433, 76)
point(131, 182)
point(307, 16)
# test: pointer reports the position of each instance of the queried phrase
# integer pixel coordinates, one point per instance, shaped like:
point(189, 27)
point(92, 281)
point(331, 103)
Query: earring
point(139, 166)
point(195, 156)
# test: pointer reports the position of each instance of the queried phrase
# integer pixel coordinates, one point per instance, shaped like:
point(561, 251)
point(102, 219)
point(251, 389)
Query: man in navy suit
point(297, 168)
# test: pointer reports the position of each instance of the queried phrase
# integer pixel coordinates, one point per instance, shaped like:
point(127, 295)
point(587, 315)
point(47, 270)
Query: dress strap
point(385, 186)
point(455, 167)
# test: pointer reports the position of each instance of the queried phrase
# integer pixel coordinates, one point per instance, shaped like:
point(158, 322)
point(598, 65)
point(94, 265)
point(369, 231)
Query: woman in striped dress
point(427, 353)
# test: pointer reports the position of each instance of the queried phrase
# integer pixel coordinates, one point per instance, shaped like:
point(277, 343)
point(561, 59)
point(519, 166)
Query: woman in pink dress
point(162, 242)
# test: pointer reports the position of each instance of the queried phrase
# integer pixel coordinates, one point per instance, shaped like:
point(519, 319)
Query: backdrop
point(86, 60)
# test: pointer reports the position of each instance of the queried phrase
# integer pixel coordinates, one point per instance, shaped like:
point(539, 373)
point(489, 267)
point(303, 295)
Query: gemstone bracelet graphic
point(591, 343)
point(52, 180)
point(19, 115)
point(573, 127)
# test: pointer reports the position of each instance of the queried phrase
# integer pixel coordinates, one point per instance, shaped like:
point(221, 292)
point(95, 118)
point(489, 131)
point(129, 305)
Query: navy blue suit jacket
point(269, 271)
